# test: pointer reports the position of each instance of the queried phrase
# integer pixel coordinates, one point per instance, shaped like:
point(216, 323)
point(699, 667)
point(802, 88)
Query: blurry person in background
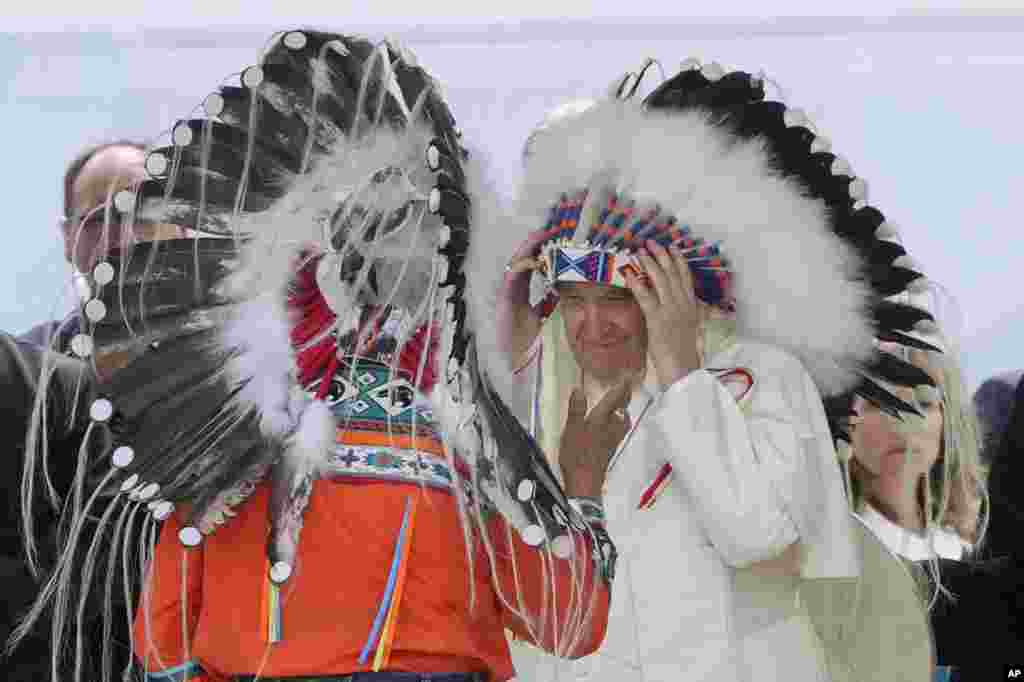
point(916, 481)
point(993, 403)
point(90, 225)
point(920, 485)
point(982, 629)
point(1000, 405)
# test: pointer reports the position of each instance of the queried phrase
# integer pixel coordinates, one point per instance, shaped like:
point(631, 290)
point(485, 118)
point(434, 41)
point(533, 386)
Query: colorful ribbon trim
point(655, 489)
point(387, 613)
point(271, 609)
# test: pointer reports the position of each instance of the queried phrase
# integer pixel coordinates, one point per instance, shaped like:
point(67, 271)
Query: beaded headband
point(599, 235)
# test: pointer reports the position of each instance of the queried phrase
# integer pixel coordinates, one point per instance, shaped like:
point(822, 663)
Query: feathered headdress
point(883, 271)
point(775, 227)
point(780, 240)
point(322, 295)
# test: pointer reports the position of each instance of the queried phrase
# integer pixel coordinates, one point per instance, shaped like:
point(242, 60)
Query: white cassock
point(728, 467)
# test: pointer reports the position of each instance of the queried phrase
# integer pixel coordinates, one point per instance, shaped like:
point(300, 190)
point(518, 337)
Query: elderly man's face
point(605, 328)
point(87, 234)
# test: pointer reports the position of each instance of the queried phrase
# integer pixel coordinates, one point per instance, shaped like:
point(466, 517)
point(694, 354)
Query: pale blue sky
point(927, 112)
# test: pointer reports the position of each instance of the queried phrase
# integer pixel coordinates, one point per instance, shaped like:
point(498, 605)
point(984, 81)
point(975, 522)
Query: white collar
point(938, 543)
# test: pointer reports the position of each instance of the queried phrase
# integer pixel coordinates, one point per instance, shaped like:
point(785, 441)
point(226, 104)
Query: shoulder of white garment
point(771, 368)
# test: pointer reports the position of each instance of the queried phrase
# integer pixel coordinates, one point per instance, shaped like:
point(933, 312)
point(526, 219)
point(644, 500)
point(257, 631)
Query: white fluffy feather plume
point(314, 438)
point(491, 245)
point(299, 221)
point(793, 278)
point(301, 218)
point(265, 362)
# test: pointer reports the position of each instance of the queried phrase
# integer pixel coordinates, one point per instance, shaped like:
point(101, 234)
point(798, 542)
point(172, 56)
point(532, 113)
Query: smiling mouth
point(602, 348)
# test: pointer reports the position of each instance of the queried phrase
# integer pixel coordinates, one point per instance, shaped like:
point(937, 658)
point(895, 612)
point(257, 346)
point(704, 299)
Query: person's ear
point(64, 225)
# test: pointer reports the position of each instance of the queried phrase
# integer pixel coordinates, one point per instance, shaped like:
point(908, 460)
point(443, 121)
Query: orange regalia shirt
point(203, 615)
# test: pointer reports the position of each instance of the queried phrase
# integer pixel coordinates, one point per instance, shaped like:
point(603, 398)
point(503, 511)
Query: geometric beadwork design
point(612, 236)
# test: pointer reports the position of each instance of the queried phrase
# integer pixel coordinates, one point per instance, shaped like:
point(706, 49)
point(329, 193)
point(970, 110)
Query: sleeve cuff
point(590, 509)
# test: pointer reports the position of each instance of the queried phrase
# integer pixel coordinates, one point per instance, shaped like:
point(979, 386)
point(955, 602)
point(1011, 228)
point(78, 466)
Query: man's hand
point(672, 312)
point(518, 323)
point(589, 441)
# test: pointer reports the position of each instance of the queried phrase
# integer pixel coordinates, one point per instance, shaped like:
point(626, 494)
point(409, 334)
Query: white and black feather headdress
point(328, 192)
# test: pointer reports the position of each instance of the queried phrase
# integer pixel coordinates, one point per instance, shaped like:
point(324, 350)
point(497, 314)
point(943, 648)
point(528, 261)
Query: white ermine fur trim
point(491, 244)
point(314, 438)
point(793, 277)
point(265, 363)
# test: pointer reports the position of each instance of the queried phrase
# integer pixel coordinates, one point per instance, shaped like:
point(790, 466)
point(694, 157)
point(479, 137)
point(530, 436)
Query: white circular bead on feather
point(103, 273)
point(156, 165)
point(213, 105)
point(525, 490)
point(190, 536)
point(713, 71)
point(124, 201)
point(533, 535)
point(280, 572)
point(252, 77)
point(294, 40)
point(181, 136)
point(82, 345)
point(95, 310)
point(101, 410)
point(123, 456)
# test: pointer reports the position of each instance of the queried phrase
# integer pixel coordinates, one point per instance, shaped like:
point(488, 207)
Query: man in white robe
point(725, 497)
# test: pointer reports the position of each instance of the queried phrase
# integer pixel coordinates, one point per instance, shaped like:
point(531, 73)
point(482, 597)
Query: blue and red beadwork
point(618, 231)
